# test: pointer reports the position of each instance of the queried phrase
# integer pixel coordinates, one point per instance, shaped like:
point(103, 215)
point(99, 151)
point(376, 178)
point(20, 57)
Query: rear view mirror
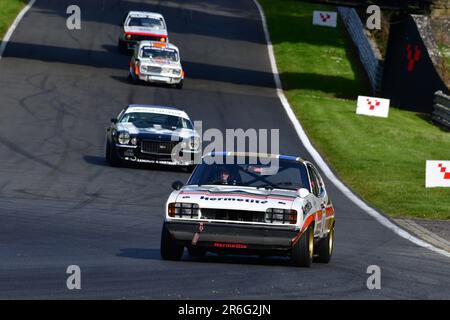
point(303, 192)
point(177, 185)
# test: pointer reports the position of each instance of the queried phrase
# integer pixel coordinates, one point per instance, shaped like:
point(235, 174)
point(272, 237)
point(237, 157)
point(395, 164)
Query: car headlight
point(123, 137)
point(281, 216)
point(133, 141)
point(176, 72)
point(183, 210)
point(144, 68)
point(194, 143)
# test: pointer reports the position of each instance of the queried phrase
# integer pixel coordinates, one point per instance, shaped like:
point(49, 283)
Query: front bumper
point(158, 78)
point(134, 154)
point(236, 237)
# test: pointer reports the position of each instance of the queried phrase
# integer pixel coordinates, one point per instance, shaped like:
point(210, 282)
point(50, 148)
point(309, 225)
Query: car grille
point(233, 215)
point(158, 147)
point(152, 69)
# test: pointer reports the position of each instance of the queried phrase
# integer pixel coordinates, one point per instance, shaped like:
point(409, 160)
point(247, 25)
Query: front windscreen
point(156, 53)
point(155, 120)
point(290, 174)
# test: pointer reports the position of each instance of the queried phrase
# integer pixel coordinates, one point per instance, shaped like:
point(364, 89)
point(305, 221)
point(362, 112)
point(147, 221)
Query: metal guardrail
point(372, 65)
point(441, 112)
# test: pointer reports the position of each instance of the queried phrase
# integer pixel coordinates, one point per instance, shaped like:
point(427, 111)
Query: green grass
point(382, 160)
point(8, 12)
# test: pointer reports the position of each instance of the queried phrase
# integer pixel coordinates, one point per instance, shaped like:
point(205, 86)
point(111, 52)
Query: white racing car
point(237, 207)
point(156, 62)
point(139, 26)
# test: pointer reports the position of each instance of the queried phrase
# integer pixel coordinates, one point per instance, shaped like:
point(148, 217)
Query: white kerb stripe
point(321, 163)
point(13, 27)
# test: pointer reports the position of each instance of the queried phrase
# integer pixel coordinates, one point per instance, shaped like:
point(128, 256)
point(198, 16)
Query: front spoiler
point(224, 236)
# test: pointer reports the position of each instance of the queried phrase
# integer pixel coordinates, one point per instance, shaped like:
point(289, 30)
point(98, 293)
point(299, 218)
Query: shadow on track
point(154, 254)
point(100, 161)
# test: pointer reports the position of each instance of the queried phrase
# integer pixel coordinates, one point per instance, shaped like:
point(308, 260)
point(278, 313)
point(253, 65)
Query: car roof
point(145, 14)
point(157, 109)
point(254, 154)
point(158, 44)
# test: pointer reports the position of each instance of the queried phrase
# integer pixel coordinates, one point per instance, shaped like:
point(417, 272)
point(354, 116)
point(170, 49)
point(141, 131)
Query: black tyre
point(111, 157)
point(302, 251)
point(122, 47)
point(325, 247)
point(179, 85)
point(133, 78)
point(196, 251)
point(169, 249)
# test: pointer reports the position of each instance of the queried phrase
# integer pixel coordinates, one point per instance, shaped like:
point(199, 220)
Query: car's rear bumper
point(228, 236)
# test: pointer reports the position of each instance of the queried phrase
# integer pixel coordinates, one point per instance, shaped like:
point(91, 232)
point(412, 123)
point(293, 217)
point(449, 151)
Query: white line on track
point(13, 27)
point(321, 163)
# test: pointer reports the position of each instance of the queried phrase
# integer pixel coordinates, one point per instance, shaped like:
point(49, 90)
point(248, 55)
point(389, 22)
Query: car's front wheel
point(111, 157)
point(325, 247)
point(302, 251)
point(170, 250)
point(179, 85)
point(122, 46)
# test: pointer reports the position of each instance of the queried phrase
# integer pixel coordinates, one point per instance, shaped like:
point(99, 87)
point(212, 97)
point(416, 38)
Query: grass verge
point(8, 12)
point(382, 160)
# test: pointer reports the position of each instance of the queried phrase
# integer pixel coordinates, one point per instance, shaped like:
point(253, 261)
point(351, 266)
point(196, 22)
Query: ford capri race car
point(156, 62)
point(234, 203)
point(152, 134)
point(138, 26)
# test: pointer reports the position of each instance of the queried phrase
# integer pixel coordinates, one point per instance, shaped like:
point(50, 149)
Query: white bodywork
point(145, 30)
point(308, 208)
point(156, 70)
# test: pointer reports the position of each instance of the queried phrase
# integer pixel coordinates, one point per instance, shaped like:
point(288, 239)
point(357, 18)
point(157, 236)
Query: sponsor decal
point(325, 18)
point(230, 245)
point(232, 199)
point(371, 106)
point(437, 174)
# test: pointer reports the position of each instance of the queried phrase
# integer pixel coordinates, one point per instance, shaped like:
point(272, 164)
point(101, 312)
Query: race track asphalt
point(61, 205)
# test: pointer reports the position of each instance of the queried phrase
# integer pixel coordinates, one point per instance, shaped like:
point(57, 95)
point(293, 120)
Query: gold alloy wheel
point(311, 243)
point(330, 241)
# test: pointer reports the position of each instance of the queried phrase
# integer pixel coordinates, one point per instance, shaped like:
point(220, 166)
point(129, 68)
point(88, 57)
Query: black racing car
point(152, 134)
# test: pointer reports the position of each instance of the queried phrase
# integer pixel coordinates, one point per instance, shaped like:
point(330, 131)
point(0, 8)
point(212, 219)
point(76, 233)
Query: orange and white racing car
point(157, 62)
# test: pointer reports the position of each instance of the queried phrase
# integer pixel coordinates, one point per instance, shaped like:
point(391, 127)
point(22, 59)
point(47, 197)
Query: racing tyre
point(179, 85)
point(325, 248)
point(196, 252)
point(122, 47)
point(169, 249)
point(302, 251)
point(132, 78)
point(111, 157)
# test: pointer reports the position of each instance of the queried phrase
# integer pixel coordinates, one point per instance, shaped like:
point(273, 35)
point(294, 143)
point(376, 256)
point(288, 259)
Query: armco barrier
point(441, 112)
point(371, 63)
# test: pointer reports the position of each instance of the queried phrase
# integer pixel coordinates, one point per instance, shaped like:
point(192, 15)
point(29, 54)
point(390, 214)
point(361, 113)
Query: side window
point(319, 180)
point(314, 181)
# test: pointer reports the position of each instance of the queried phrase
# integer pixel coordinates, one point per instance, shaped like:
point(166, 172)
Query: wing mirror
point(303, 192)
point(177, 185)
point(114, 120)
